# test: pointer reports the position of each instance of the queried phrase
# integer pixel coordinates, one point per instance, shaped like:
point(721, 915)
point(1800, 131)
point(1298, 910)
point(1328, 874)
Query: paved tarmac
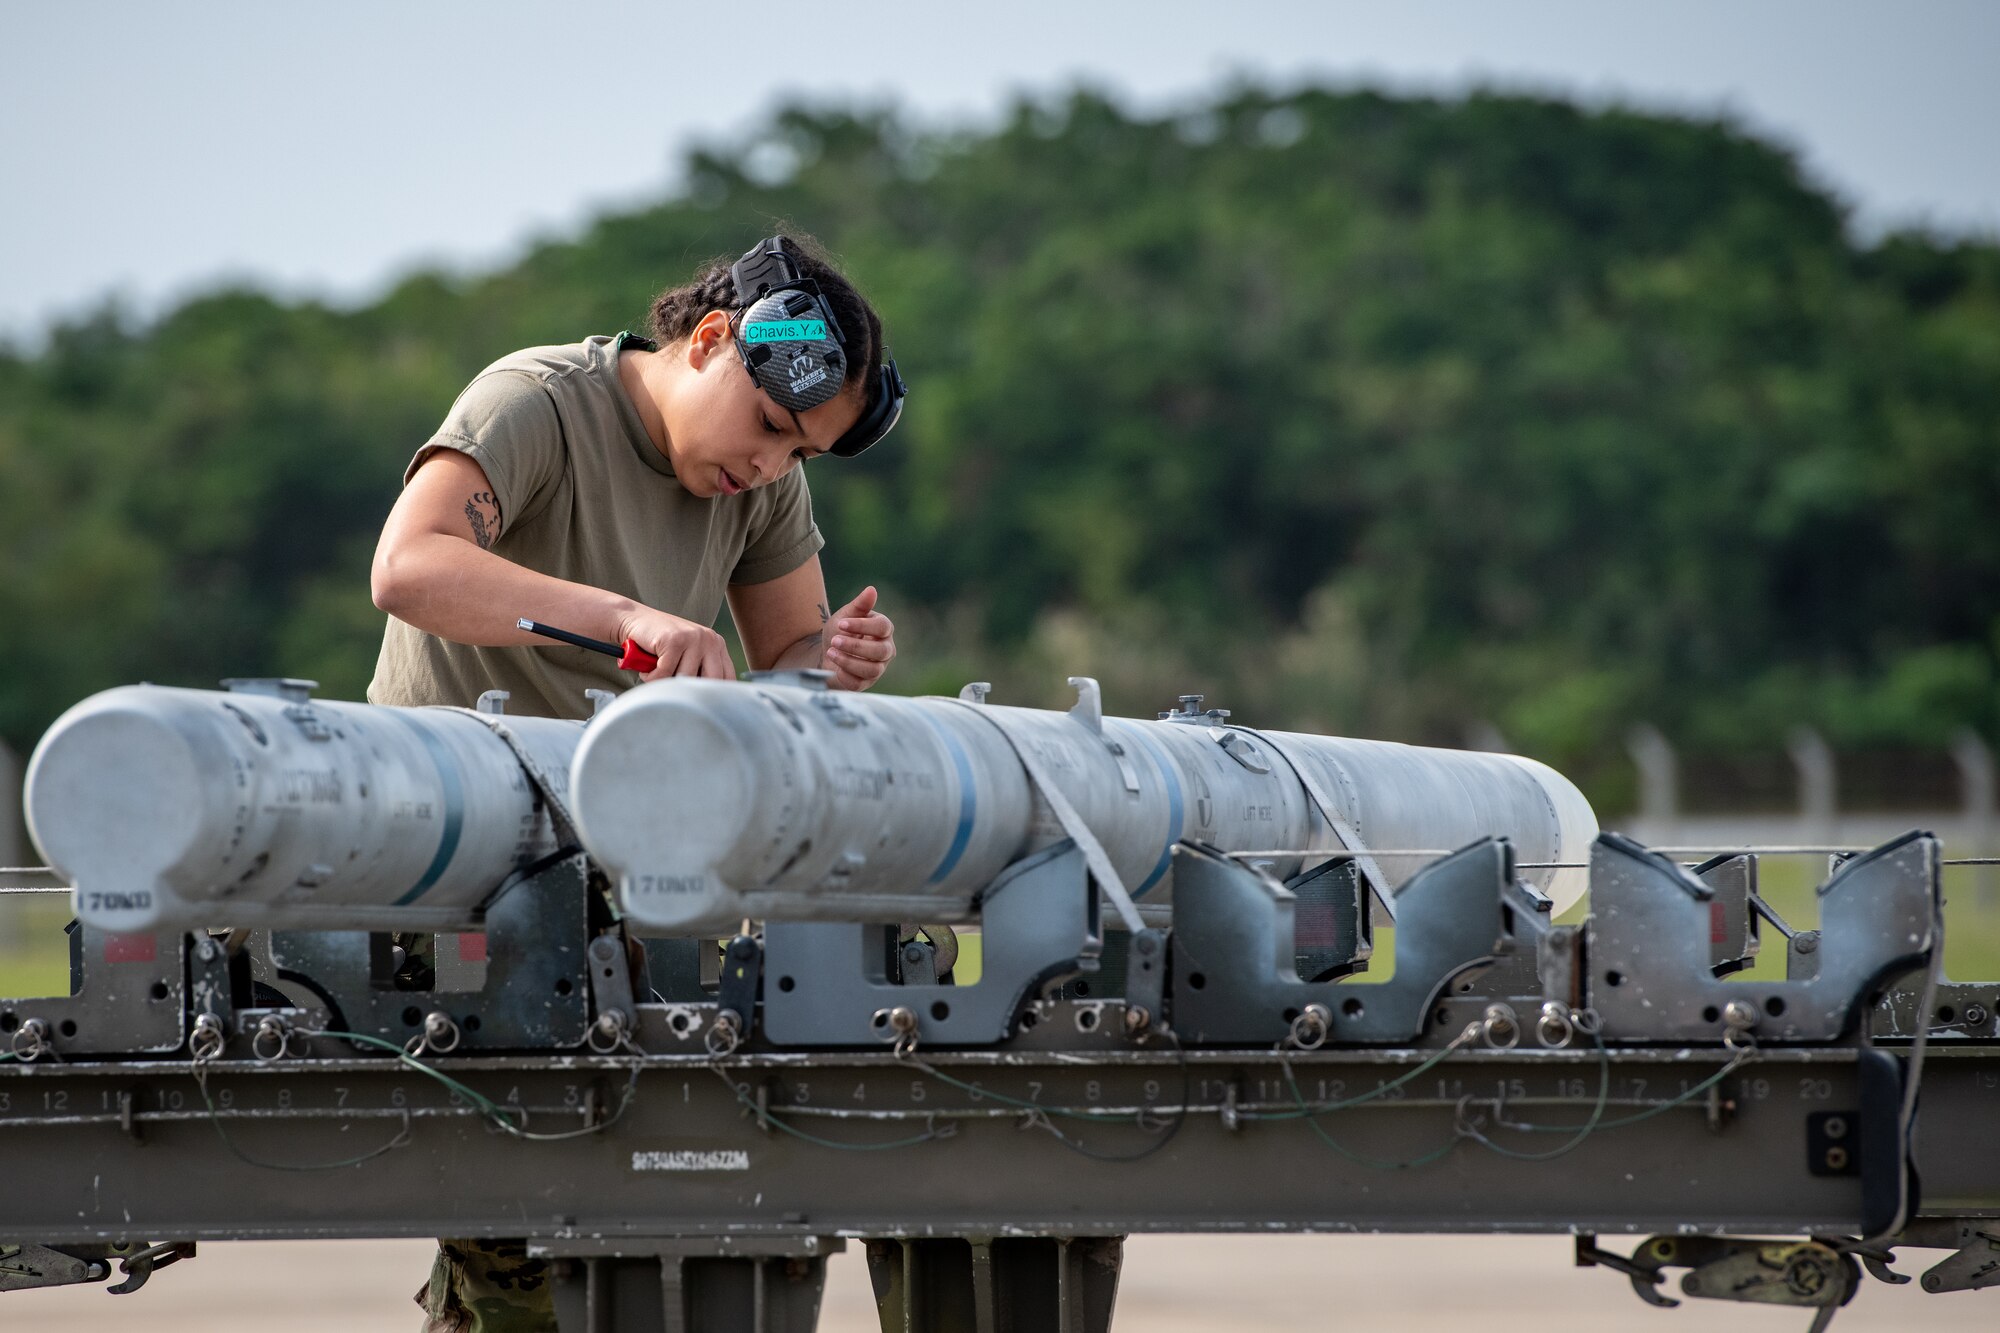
point(1172, 1284)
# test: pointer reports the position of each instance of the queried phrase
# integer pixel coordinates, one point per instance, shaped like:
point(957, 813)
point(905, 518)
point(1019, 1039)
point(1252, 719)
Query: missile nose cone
point(662, 788)
point(115, 798)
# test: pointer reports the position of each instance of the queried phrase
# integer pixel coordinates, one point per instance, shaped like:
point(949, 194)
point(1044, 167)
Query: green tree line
point(1363, 413)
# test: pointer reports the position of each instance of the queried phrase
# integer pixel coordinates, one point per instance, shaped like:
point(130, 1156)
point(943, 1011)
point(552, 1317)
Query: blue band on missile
point(454, 808)
point(1176, 809)
point(968, 800)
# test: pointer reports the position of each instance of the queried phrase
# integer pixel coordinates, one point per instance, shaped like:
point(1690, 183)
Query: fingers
point(861, 644)
point(707, 656)
point(694, 652)
point(666, 665)
point(716, 664)
point(877, 626)
point(863, 603)
point(863, 648)
point(852, 675)
point(860, 619)
point(858, 662)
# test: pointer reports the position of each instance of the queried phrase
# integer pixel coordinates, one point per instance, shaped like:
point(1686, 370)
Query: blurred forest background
point(1380, 415)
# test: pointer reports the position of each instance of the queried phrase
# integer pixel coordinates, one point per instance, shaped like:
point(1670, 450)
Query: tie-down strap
point(1350, 839)
point(1094, 855)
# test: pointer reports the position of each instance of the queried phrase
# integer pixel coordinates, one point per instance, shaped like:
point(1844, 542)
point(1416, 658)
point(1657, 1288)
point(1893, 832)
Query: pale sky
point(152, 150)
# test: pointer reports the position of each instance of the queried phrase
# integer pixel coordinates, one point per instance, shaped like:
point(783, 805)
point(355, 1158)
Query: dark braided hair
point(677, 310)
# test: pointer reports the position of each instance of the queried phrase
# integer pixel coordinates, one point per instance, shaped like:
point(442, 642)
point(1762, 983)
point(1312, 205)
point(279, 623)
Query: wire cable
point(1583, 1131)
point(768, 1118)
point(1036, 1115)
point(500, 1115)
point(1311, 1118)
point(508, 1119)
point(1619, 1122)
point(1308, 1110)
point(236, 1150)
point(1311, 1112)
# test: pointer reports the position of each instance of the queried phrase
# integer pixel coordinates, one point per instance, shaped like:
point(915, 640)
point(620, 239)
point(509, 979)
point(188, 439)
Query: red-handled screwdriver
point(631, 657)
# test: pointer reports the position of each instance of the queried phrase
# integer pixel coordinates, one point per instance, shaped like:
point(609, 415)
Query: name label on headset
point(785, 331)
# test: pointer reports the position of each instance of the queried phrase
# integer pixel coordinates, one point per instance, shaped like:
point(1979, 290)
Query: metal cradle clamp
point(611, 991)
point(1146, 984)
point(736, 995)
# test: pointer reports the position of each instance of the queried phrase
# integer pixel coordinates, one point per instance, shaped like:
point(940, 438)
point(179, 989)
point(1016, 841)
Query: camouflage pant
point(487, 1286)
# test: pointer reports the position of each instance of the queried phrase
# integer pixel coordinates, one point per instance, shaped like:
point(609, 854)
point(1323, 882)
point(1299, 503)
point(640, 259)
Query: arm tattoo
point(483, 512)
point(817, 639)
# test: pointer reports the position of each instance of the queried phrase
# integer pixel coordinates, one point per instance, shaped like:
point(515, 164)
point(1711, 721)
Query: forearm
point(449, 587)
point(808, 654)
point(855, 642)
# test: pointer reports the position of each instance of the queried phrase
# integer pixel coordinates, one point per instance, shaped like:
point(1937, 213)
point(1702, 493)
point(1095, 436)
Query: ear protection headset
point(790, 344)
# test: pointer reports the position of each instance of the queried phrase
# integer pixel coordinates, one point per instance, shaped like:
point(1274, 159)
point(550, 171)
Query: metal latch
point(1088, 711)
point(1238, 747)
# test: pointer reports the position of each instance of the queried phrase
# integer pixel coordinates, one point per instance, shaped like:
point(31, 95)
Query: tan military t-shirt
point(585, 495)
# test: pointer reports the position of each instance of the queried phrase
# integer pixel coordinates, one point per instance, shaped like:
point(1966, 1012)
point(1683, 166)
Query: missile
point(778, 799)
point(713, 801)
point(263, 807)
